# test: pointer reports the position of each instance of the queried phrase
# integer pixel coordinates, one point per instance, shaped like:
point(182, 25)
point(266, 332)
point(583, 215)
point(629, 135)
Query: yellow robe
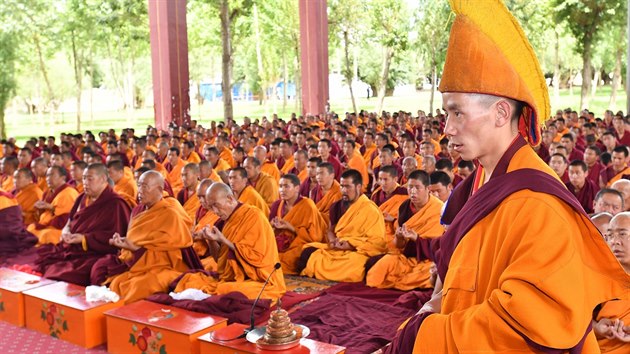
point(7, 183)
point(251, 197)
point(614, 309)
point(175, 177)
point(532, 265)
point(128, 190)
point(201, 246)
point(191, 205)
point(163, 230)
point(309, 227)
point(247, 267)
point(193, 157)
point(332, 196)
point(267, 187)
point(27, 198)
point(271, 169)
point(288, 165)
point(363, 227)
point(63, 203)
point(357, 163)
point(397, 271)
point(226, 155)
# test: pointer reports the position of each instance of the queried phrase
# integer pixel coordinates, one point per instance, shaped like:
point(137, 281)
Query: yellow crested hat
point(488, 53)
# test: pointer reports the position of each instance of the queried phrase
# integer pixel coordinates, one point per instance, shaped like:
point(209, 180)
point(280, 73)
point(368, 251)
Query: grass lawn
point(23, 126)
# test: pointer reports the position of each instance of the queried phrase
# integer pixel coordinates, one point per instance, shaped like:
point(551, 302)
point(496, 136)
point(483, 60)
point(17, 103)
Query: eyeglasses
point(623, 236)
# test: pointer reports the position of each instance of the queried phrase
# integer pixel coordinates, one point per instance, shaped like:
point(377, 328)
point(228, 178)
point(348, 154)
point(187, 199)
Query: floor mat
point(18, 340)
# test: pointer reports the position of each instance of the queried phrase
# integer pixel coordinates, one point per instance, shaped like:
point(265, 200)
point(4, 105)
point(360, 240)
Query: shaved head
point(202, 189)
point(150, 187)
point(221, 200)
point(601, 221)
point(623, 186)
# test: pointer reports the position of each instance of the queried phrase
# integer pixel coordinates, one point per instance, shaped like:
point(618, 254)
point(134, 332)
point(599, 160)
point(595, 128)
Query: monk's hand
point(621, 331)
point(40, 204)
point(388, 217)
point(213, 234)
point(72, 238)
point(410, 235)
point(344, 246)
point(604, 328)
point(279, 223)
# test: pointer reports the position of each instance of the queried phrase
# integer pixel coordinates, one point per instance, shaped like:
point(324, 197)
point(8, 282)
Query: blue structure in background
point(213, 92)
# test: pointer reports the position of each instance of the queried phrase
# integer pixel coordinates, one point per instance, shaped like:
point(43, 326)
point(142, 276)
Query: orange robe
point(614, 309)
point(367, 155)
point(7, 183)
point(128, 190)
point(163, 230)
point(205, 218)
point(390, 205)
point(41, 183)
point(357, 163)
point(267, 187)
point(175, 175)
point(251, 197)
point(289, 164)
point(271, 169)
point(27, 198)
point(327, 200)
point(193, 158)
point(48, 227)
point(226, 155)
point(363, 227)
point(222, 165)
point(190, 202)
point(397, 270)
point(214, 176)
point(532, 266)
point(625, 171)
point(247, 267)
point(160, 168)
point(309, 227)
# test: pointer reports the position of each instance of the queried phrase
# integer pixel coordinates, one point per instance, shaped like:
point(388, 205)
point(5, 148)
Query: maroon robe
point(13, 236)
point(586, 195)
point(98, 222)
point(305, 187)
point(609, 173)
point(594, 172)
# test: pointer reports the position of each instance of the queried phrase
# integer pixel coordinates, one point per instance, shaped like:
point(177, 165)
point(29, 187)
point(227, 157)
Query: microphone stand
point(251, 317)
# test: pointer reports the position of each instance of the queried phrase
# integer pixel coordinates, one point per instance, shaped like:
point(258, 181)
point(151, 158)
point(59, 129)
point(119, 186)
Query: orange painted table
point(222, 342)
point(148, 327)
point(61, 310)
point(12, 284)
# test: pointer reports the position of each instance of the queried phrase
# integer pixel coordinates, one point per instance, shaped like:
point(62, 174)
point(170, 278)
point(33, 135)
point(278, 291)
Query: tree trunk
point(571, 82)
point(347, 72)
point(587, 73)
point(259, 60)
point(595, 83)
point(616, 81)
point(3, 132)
point(227, 60)
point(42, 68)
point(78, 76)
point(388, 53)
point(285, 75)
point(433, 82)
point(556, 70)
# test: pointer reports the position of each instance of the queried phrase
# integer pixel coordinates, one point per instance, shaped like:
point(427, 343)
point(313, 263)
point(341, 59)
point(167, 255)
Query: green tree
point(585, 19)
point(8, 83)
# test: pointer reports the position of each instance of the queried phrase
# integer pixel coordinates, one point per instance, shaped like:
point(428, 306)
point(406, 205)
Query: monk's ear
point(503, 112)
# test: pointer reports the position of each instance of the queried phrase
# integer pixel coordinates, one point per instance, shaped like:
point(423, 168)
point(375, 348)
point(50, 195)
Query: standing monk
point(356, 233)
point(407, 267)
point(28, 193)
point(296, 222)
point(521, 267)
point(55, 207)
point(187, 197)
point(97, 214)
point(248, 251)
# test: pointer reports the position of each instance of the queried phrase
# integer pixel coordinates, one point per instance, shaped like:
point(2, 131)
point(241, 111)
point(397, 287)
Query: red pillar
point(169, 61)
point(314, 55)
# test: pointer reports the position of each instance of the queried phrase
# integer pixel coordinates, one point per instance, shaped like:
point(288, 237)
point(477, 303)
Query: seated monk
point(125, 187)
point(207, 251)
point(617, 169)
point(403, 267)
point(151, 165)
point(268, 167)
point(8, 166)
point(388, 196)
point(264, 184)
point(28, 193)
point(174, 167)
point(97, 214)
point(356, 233)
point(76, 172)
point(327, 192)
point(187, 197)
point(206, 171)
point(248, 251)
point(582, 188)
point(157, 248)
point(296, 222)
point(310, 182)
point(55, 207)
point(244, 192)
point(39, 167)
point(611, 323)
point(13, 237)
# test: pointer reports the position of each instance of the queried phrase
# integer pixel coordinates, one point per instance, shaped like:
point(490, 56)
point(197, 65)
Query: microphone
point(251, 317)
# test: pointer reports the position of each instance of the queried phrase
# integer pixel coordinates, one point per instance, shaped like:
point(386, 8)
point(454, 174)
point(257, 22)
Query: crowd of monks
point(349, 199)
